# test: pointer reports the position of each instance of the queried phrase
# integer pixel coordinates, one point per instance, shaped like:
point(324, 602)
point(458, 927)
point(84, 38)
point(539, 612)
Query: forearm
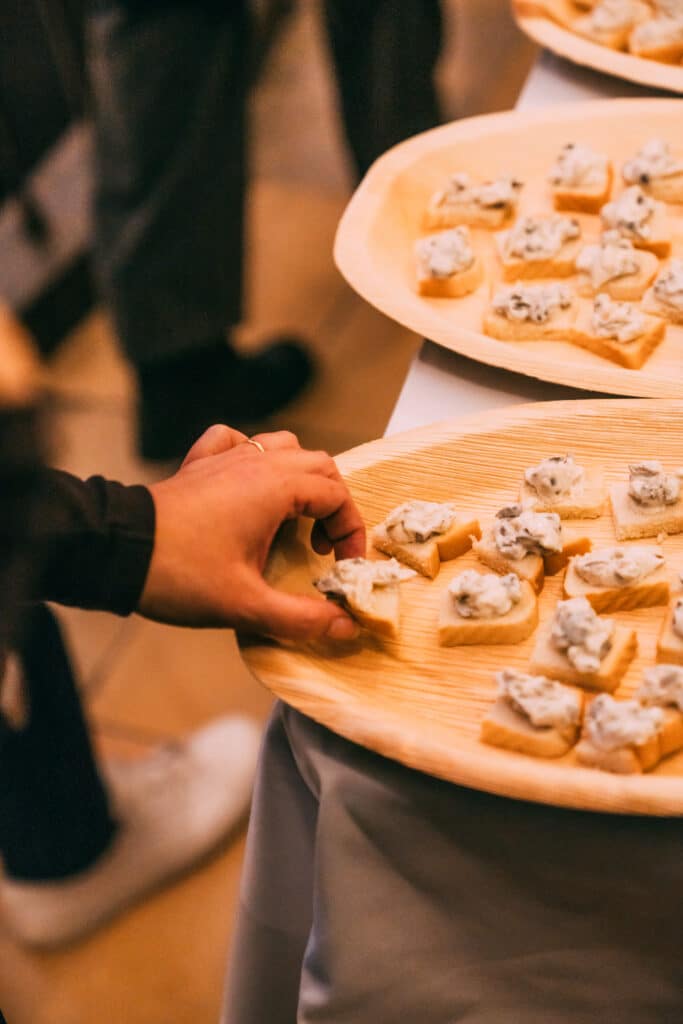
point(94, 542)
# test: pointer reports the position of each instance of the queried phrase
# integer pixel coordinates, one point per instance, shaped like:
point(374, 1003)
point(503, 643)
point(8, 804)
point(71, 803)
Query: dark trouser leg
point(169, 85)
point(274, 916)
point(54, 815)
point(384, 53)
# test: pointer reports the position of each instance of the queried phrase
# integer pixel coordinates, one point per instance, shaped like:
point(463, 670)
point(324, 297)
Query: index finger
point(329, 501)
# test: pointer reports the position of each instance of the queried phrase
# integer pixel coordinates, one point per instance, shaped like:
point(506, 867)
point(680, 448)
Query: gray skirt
point(375, 893)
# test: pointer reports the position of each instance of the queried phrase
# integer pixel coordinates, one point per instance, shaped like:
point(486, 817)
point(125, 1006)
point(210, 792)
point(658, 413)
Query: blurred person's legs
point(71, 858)
point(384, 53)
point(169, 81)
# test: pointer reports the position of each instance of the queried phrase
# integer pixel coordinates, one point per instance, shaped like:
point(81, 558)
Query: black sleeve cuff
point(96, 538)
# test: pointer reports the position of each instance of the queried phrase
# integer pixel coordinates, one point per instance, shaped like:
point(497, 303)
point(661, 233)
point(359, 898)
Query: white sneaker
point(173, 807)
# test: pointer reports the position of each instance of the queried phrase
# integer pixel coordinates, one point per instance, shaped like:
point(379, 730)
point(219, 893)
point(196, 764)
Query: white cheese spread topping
point(580, 634)
point(612, 724)
point(618, 567)
point(545, 702)
point(650, 487)
point(484, 595)
point(631, 214)
point(612, 257)
point(657, 32)
point(662, 687)
point(417, 521)
point(670, 8)
point(531, 303)
point(518, 532)
point(654, 160)
point(444, 254)
point(555, 478)
point(578, 167)
point(354, 579)
point(677, 621)
point(539, 238)
point(620, 321)
point(499, 194)
point(611, 15)
point(668, 287)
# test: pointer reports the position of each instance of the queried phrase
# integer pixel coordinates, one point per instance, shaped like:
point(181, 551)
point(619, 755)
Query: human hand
point(215, 522)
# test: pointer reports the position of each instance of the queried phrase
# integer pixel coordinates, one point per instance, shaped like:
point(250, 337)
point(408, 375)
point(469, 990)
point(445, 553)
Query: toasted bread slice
point(546, 660)
point(659, 239)
point(584, 200)
point(628, 288)
point(589, 504)
point(671, 732)
point(630, 354)
point(628, 759)
point(624, 761)
point(668, 189)
point(573, 544)
point(631, 522)
point(651, 304)
point(561, 11)
point(559, 265)
point(669, 643)
point(659, 304)
point(384, 617)
point(666, 47)
point(439, 216)
point(511, 628)
point(506, 727)
point(426, 557)
point(456, 285)
point(653, 590)
point(616, 38)
point(559, 327)
point(531, 568)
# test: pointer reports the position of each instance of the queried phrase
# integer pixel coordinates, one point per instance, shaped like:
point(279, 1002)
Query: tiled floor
point(143, 682)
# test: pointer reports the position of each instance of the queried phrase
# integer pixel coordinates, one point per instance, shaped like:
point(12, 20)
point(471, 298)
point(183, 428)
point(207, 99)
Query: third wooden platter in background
point(560, 40)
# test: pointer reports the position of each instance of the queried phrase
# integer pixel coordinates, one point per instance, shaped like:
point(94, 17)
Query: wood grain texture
point(422, 704)
point(374, 242)
point(562, 41)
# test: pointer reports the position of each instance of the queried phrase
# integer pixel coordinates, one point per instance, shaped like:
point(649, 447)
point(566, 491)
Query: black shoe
point(180, 398)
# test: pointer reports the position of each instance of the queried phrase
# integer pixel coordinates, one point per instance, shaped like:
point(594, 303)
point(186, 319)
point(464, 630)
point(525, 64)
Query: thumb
point(297, 617)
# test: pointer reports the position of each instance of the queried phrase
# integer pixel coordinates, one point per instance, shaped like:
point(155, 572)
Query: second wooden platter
point(374, 243)
point(422, 704)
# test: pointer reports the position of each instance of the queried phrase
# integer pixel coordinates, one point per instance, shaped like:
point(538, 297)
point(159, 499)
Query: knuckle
point(217, 431)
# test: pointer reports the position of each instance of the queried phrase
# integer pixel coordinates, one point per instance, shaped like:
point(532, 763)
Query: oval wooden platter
point(375, 239)
point(422, 704)
point(564, 43)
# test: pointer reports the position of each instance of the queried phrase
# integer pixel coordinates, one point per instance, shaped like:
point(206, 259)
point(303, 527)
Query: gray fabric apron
point(375, 893)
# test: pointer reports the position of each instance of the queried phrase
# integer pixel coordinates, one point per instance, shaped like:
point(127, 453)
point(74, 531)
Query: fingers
point(277, 441)
point(329, 501)
point(297, 617)
point(214, 441)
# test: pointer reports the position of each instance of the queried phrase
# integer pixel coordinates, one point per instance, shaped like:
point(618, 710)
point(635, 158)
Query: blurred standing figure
point(170, 82)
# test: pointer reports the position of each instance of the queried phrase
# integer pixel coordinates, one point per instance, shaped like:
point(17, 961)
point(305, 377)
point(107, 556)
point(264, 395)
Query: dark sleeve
point(94, 539)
